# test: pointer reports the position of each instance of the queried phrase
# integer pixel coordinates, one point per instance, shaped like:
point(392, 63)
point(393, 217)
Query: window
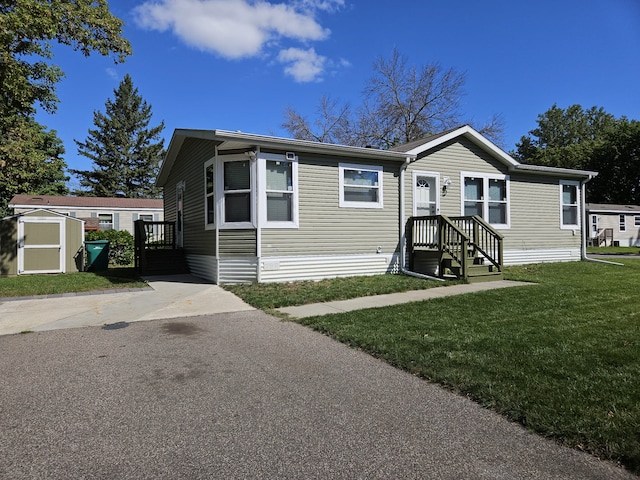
point(280, 192)
point(237, 191)
point(209, 193)
point(105, 221)
point(623, 223)
point(146, 218)
point(486, 196)
point(636, 221)
point(569, 214)
point(360, 186)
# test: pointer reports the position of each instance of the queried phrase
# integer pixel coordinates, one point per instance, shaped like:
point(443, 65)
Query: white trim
point(420, 173)
point(570, 226)
point(262, 190)
point(367, 168)
point(61, 246)
point(485, 200)
point(472, 135)
point(223, 224)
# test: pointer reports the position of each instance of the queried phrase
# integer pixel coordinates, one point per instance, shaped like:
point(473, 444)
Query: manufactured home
point(256, 208)
point(613, 225)
point(99, 213)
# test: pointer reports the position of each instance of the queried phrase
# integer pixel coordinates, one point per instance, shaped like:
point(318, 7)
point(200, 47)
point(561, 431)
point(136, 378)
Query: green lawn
point(28, 285)
point(561, 357)
point(614, 250)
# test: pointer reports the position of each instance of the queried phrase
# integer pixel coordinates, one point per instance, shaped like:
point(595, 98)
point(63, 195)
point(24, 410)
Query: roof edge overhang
point(57, 214)
point(556, 171)
point(256, 140)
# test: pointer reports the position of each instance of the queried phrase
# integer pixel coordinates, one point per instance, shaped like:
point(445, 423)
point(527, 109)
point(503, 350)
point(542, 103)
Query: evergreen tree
point(125, 151)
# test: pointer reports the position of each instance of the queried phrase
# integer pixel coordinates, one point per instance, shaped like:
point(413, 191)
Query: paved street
point(244, 395)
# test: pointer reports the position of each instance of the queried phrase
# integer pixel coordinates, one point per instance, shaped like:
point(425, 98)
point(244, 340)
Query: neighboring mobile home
point(41, 241)
point(614, 225)
point(259, 208)
point(99, 213)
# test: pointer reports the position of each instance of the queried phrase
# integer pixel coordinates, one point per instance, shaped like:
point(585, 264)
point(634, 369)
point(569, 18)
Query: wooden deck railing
point(483, 237)
point(152, 236)
point(462, 238)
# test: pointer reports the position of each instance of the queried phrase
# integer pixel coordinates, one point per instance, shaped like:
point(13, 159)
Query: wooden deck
point(156, 250)
point(464, 247)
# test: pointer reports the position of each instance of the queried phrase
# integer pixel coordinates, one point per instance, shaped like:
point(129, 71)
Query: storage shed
point(41, 241)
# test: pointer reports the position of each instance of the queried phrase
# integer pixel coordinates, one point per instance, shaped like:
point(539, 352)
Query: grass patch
point(562, 357)
point(51, 284)
point(614, 250)
point(267, 296)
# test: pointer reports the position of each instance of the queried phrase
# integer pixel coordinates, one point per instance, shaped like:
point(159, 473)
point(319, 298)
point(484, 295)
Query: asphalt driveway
point(244, 395)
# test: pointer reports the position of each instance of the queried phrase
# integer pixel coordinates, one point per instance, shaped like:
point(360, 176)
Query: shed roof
point(26, 201)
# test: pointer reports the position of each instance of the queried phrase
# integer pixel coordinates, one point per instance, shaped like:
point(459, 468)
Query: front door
point(179, 215)
point(426, 200)
point(41, 245)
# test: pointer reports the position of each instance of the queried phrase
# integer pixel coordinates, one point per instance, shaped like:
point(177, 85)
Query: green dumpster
point(97, 255)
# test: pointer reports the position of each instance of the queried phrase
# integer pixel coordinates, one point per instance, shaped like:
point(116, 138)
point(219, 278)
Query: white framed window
point(209, 194)
point(636, 221)
point(236, 186)
point(486, 195)
point(105, 221)
point(623, 223)
point(360, 186)
point(569, 205)
point(279, 195)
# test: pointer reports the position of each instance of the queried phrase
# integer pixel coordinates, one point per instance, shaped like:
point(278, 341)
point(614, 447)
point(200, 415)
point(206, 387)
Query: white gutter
point(257, 212)
point(403, 242)
point(585, 226)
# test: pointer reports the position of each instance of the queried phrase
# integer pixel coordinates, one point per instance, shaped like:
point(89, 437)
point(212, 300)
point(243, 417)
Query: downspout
point(258, 213)
point(585, 226)
point(403, 168)
point(218, 212)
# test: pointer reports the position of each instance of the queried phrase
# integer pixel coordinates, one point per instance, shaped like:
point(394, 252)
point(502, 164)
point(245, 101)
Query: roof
point(48, 201)
point(57, 214)
point(239, 141)
point(418, 147)
point(226, 140)
point(611, 208)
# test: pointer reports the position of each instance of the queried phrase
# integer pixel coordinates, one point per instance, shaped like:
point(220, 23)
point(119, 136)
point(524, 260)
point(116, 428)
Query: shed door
point(40, 245)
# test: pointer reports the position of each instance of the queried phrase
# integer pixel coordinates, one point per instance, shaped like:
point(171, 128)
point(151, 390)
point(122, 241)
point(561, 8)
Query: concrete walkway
point(341, 306)
point(167, 297)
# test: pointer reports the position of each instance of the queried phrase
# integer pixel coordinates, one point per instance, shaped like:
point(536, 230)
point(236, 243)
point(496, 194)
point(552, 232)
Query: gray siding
point(237, 243)
point(189, 168)
point(535, 200)
point(327, 229)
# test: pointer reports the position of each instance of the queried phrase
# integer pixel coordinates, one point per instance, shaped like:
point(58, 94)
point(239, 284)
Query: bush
point(121, 244)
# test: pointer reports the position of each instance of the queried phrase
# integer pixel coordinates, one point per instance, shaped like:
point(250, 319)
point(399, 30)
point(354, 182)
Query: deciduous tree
point(30, 156)
point(124, 149)
point(400, 103)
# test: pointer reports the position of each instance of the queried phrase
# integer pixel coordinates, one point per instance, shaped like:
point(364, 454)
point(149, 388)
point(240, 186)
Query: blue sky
point(237, 64)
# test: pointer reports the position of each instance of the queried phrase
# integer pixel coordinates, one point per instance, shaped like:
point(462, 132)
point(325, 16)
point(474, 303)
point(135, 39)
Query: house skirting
point(521, 257)
point(288, 269)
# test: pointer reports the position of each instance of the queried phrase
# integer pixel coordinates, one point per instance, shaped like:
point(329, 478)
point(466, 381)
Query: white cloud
point(302, 65)
point(113, 73)
point(234, 28)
